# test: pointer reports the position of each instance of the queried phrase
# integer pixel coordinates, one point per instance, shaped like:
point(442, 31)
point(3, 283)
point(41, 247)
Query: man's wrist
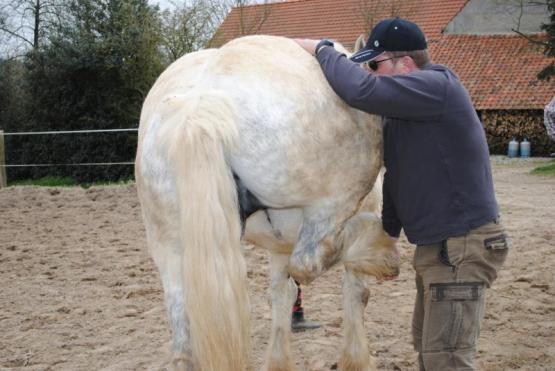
point(322, 44)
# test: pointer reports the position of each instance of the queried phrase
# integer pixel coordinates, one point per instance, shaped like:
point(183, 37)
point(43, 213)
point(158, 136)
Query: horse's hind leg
point(283, 293)
point(355, 355)
point(168, 259)
point(316, 250)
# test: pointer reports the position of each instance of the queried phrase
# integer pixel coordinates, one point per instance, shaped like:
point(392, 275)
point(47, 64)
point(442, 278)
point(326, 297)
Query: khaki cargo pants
point(451, 278)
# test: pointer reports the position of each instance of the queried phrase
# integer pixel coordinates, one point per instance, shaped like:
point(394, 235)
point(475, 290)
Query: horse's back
point(296, 134)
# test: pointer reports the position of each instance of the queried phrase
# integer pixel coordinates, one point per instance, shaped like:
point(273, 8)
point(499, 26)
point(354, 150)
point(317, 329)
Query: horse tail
point(214, 271)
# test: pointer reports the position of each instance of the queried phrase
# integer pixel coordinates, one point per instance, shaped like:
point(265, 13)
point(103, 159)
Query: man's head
point(395, 46)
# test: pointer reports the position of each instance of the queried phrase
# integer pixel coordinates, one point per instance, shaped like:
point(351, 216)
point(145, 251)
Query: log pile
point(501, 126)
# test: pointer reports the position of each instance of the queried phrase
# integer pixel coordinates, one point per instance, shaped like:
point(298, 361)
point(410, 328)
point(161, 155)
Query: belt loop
point(444, 254)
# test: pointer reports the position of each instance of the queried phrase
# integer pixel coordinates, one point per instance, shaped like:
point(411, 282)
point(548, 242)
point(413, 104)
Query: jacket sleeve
point(416, 95)
point(391, 224)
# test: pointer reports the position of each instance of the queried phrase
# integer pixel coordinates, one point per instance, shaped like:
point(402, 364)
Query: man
point(438, 184)
point(549, 120)
point(298, 321)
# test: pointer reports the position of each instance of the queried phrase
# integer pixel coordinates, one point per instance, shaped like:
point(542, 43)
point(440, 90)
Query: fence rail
point(3, 165)
point(72, 164)
point(69, 132)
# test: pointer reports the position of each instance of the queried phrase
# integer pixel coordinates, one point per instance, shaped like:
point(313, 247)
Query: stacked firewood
point(501, 126)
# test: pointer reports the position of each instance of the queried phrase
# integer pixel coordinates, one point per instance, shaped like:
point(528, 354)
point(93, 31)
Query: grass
point(47, 181)
point(107, 183)
point(545, 170)
point(57, 181)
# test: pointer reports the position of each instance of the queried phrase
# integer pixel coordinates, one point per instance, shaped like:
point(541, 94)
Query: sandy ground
point(80, 292)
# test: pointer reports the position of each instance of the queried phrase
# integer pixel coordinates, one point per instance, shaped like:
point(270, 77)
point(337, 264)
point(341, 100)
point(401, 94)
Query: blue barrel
point(525, 148)
point(513, 148)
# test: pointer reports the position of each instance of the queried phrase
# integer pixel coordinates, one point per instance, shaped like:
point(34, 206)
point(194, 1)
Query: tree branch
point(9, 32)
point(530, 39)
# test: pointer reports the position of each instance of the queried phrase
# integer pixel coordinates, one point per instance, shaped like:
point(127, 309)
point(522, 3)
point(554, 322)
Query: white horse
point(226, 132)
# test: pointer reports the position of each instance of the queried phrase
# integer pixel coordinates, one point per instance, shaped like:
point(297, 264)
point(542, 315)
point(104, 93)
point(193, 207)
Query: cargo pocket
point(497, 248)
point(454, 314)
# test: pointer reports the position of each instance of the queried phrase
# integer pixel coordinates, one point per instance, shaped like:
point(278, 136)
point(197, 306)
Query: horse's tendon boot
point(302, 324)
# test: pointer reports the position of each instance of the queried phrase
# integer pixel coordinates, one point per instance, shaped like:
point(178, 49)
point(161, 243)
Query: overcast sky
point(167, 3)
point(163, 3)
point(7, 44)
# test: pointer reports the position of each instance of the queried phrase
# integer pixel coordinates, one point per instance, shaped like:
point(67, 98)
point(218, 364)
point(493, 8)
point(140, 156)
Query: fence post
point(3, 177)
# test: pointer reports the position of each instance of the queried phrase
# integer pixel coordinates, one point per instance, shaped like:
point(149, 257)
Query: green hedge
point(71, 149)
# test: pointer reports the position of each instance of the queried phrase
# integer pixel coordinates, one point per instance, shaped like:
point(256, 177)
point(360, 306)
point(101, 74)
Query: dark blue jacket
point(438, 180)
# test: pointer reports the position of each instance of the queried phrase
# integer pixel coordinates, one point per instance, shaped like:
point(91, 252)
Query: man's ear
point(408, 62)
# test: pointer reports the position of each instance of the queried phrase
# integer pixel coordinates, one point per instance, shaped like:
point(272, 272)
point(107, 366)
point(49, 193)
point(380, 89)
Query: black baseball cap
point(391, 35)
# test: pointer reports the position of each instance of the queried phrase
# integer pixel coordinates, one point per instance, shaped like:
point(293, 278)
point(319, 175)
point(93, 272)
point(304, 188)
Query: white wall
point(499, 17)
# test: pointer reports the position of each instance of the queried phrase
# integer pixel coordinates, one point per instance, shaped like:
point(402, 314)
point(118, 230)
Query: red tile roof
point(344, 20)
point(499, 71)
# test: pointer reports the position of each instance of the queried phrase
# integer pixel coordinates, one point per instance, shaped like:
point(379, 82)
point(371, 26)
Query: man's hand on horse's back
point(307, 44)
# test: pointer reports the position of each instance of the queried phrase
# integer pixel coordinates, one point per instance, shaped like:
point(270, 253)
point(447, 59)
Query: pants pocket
point(454, 315)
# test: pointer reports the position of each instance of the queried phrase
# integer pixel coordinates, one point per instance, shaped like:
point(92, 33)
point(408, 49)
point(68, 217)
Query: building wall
point(499, 17)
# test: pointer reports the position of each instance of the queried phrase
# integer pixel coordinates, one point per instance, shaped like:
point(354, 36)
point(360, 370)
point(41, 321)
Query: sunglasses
point(373, 65)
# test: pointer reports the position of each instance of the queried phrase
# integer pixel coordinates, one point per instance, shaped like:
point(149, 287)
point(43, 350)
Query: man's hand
point(307, 44)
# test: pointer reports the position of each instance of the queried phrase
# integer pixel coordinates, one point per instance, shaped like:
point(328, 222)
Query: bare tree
point(188, 27)
point(372, 11)
point(548, 42)
point(191, 25)
point(25, 23)
point(251, 19)
point(518, 9)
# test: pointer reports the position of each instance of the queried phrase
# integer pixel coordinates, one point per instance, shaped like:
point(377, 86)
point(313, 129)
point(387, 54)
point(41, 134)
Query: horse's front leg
point(355, 354)
point(283, 293)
